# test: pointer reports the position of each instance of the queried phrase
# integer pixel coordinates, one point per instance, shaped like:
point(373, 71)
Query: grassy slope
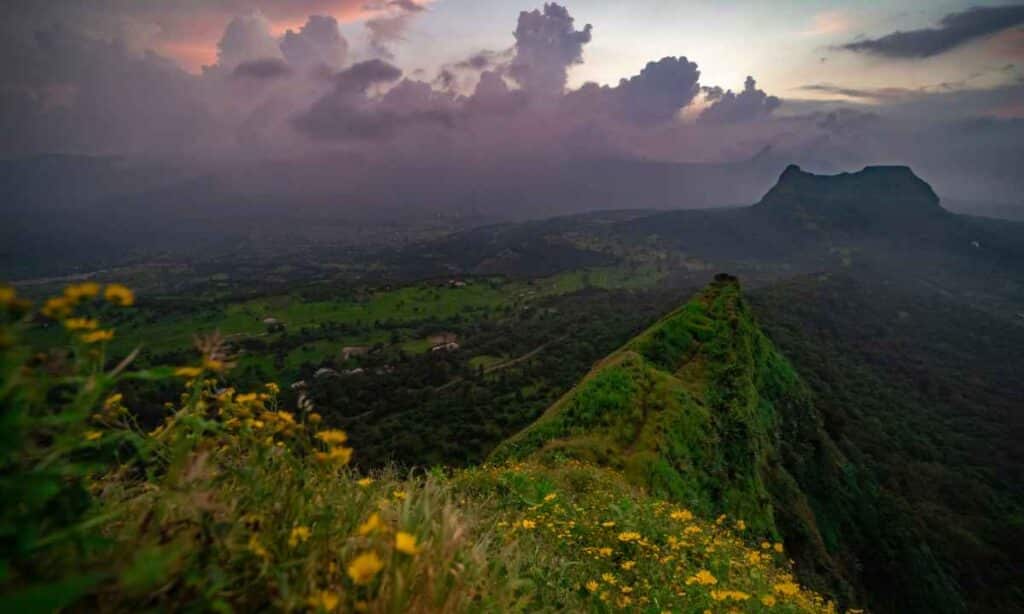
point(702, 410)
point(234, 504)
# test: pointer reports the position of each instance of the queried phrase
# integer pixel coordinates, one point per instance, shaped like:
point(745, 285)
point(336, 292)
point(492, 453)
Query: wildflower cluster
point(621, 550)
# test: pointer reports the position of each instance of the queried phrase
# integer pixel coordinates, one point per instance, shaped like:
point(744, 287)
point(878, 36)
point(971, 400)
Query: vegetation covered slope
point(924, 394)
point(703, 410)
point(235, 503)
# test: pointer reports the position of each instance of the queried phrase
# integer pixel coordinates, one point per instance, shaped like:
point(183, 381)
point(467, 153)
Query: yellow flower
point(7, 295)
point(213, 364)
point(113, 401)
point(606, 551)
point(332, 437)
point(76, 324)
point(299, 535)
point(528, 524)
point(98, 336)
point(272, 388)
point(399, 495)
point(788, 589)
point(257, 548)
point(550, 497)
point(365, 482)
point(627, 565)
point(92, 435)
point(372, 524)
point(629, 536)
point(342, 456)
point(608, 524)
point(188, 372)
point(765, 545)
point(364, 567)
point(56, 307)
point(314, 418)
point(741, 526)
point(76, 292)
point(405, 543)
point(609, 578)
point(703, 577)
point(682, 515)
point(778, 548)
point(326, 600)
point(592, 586)
point(119, 295)
point(768, 601)
point(734, 595)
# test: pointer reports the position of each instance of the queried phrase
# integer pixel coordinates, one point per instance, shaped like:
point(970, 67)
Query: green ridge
point(701, 409)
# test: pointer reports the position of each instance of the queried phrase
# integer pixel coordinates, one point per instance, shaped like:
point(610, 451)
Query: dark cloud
point(547, 44)
point(269, 68)
point(660, 91)
point(408, 5)
point(359, 77)
point(748, 105)
point(654, 96)
point(485, 59)
point(889, 94)
point(349, 112)
point(954, 29)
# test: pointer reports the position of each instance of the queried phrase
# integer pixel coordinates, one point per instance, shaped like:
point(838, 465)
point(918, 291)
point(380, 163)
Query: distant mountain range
point(885, 220)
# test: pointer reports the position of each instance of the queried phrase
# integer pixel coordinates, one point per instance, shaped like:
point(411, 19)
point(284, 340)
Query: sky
point(833, 84)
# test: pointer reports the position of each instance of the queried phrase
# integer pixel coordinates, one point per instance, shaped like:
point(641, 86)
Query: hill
point(234, 502)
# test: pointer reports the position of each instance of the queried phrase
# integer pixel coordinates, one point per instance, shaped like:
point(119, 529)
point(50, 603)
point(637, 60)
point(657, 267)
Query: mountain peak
point(875, 196)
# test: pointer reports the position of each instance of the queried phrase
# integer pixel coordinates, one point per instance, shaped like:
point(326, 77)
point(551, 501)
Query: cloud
point(495, 119)
point(485, 59)
point(654, 96)
point(269, 68)
point(547, 44)
point(390, 28)
point(350, 112)
point(829, 22)
point(748, 105)
point(881, 94)
point(247, 38)
point(318, 43)
point(954, 30)
point(408, 6)
point(660, 91)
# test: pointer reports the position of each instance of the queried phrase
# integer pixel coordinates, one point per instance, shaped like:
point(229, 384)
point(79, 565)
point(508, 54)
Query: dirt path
point(537, 350)
point(509, 363)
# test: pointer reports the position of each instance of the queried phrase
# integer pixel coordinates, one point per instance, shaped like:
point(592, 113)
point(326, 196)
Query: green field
point(406, 305)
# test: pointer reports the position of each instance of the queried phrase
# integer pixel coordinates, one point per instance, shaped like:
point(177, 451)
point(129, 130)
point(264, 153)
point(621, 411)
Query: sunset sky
point(834, 82)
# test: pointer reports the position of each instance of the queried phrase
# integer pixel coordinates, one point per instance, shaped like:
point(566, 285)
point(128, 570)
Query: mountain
point(883, 221)
point(876, 199)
